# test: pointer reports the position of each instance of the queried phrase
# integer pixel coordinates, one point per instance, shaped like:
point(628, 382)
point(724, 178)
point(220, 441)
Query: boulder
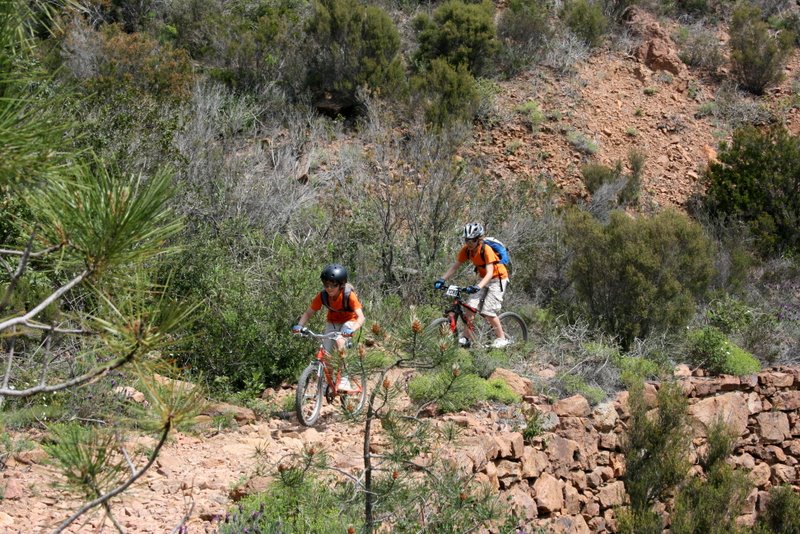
point(549, 495)
point(520, 385)
point(773, 427)
point(574, 406)
point(730, 408)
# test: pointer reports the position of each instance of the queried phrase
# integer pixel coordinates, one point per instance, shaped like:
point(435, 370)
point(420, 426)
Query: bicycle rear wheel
point(353, 402)
point(310, 390)
point(514, 327)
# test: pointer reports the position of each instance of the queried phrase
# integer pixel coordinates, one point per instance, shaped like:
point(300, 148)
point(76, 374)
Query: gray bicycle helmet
point(473, 230)
point(334, 273)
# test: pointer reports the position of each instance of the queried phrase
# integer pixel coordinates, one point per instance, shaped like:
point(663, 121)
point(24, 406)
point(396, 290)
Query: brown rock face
point(549, 496)
point(575, 406)
point(730, 408)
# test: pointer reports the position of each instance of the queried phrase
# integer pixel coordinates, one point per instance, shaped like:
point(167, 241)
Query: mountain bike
point(322, 379)
point(514, 326)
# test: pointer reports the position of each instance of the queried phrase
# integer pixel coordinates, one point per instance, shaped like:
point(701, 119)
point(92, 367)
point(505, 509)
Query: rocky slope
point(567, 479)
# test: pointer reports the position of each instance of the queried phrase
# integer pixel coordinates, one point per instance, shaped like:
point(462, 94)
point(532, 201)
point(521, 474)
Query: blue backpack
point(500, 249)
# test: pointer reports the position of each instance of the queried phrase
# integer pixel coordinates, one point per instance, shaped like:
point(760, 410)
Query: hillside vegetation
point(174, 175)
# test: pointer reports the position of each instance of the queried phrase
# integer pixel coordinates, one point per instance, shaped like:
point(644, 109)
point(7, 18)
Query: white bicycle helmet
point(473, 230)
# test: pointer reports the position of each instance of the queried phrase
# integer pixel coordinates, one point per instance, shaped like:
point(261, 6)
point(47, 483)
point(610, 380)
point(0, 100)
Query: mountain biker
point(345, 316)
point(487, 294)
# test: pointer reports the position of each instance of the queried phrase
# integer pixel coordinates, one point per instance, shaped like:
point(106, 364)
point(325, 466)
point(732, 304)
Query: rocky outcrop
point(570, 479)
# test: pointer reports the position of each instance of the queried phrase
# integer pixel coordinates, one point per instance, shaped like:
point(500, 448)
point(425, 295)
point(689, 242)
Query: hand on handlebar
point(438, 284)
point(297, 329)
point(347, 332)
point(472, 289)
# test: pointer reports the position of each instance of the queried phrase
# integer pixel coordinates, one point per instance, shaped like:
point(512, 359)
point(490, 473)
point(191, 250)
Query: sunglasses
point(330, 285)
point(472, 240)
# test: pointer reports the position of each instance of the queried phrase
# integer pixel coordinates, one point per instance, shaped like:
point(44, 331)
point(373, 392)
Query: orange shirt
point(335, 313)
point(481, 260)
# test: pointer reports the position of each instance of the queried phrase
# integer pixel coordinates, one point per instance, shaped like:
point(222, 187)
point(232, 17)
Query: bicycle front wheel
point(310, 390)
point(441, 327)
point(353, 401)
point(514, 327)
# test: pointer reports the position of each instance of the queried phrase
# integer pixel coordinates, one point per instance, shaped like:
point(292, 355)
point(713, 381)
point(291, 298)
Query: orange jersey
point(481, 259)
point(336, 312)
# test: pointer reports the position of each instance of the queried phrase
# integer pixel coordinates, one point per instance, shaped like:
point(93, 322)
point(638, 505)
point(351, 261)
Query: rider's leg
point(470, 317)
point(496, 326)
point(492, 304)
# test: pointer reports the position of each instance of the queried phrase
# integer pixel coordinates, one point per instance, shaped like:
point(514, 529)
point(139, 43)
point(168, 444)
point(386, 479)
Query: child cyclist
point(345, 313)
point(487, 294)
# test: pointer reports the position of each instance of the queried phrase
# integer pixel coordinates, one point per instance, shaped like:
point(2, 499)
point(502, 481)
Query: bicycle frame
point(456, 311)
point(323, 357)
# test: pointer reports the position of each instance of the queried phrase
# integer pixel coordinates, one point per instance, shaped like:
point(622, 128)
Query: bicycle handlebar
point(305, 332)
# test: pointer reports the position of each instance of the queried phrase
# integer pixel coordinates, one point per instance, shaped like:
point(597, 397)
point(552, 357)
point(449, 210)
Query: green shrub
point(459, 33)
point(498, 390)
point(586, 20)
point(574, 384)
point(782, 515)
point(310, 505)
point(655, 447)
point(531, 115)
point(638, 276)
point(595, 175)
point(524, 28)
point(700, 48)
point(251, 289)
point(636, 368)
point(354, 45)
point(757, 57)
point(713, 503)
point(729, 314)
point(711, 349)
point(582, 143)
point(451, 393)
point(757, 180)
point(448, 95)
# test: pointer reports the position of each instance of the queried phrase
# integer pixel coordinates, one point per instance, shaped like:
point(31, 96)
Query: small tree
point(711, 503)
point(655, 449)
point(449, 95)
point(586, 20)
point(459, 33)
point(757, 57)
point(757, 180)
point(350, 46)
point(638, 276)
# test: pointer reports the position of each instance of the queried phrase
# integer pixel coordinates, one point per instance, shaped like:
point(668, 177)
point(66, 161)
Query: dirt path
point(191, 468)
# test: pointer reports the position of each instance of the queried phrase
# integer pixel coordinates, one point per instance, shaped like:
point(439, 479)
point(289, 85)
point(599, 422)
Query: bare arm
point(488, 278)
point(452, 270)
point(360, 318)
point(309, 313)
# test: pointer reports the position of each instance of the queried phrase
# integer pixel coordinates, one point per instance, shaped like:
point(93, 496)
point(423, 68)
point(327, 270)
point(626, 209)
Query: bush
point(711, 349)
point(450, 391)
point(782, 515)
point(655, 448)
point(595, 175)
point(524, 28)
point(448, 95)
point(699, 47)
point(353, 46)
point(498, 390)
point(713, 503)
point(635, 277)
point(757, 180)
point(574, 384)
point(459, 33)
point(251, 292)
point(757, 58)
point(138, 61)
point(309, 505)
point(586, 20)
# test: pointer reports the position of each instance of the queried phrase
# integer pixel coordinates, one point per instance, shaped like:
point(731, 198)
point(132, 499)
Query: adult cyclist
point(487, 294)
